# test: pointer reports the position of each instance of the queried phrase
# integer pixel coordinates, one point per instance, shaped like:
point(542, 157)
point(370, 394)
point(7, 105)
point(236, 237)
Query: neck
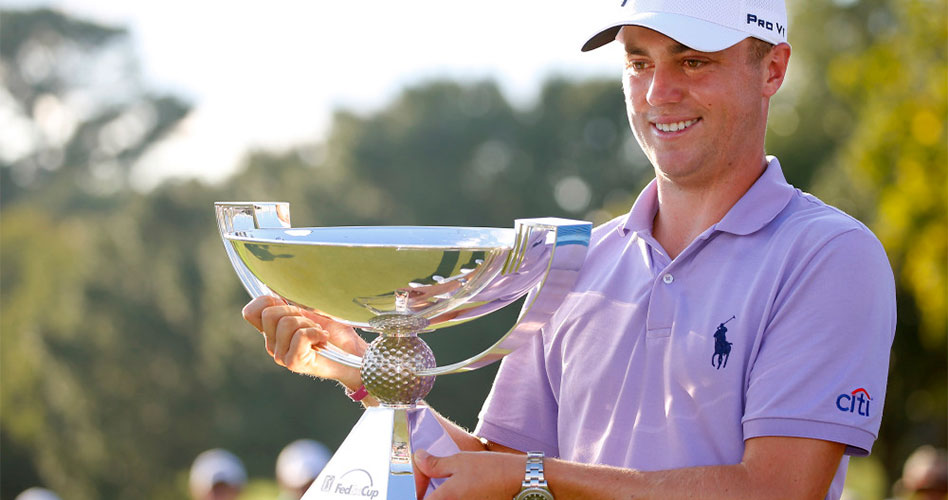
point(687, 209)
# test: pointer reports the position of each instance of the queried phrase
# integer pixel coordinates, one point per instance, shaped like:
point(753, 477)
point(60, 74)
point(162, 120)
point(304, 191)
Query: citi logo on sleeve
point(854, 402)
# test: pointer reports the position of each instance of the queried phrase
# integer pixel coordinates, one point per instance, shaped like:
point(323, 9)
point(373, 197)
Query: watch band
point(534, 485)
point(534, 474)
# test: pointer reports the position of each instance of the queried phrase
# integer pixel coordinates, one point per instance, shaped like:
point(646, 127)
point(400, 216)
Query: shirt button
point(668, 279)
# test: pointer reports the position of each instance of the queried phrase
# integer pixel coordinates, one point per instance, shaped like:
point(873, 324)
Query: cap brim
point(695, 33)
point(603, 37)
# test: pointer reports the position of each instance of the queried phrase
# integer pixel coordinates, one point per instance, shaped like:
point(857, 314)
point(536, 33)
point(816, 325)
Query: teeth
point(674, 127)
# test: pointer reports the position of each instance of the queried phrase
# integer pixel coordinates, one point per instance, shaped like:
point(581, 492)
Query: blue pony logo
point(722, 348)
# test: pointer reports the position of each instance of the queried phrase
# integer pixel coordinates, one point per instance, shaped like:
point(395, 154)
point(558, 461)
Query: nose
point(666, 85)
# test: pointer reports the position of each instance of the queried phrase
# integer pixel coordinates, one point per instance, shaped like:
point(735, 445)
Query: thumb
point(432, 466)
point(421, 480)
point(332, 327)
point(317, 318)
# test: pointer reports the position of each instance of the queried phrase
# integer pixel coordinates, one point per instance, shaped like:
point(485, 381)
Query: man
point(624, 385)
point(298, 464)
point(924, 475)
point(37, 493)
point(216, 474)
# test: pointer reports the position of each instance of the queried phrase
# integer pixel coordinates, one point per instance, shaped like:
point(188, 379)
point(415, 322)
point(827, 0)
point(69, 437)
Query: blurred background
point(123, 355)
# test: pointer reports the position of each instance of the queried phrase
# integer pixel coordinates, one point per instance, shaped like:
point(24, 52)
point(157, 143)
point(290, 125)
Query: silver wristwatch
point(534, 484)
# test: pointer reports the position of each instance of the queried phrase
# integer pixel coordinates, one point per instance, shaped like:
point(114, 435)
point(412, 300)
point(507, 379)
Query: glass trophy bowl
point(400, 282)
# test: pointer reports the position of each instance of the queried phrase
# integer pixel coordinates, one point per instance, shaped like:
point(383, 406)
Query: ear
point(775, 68)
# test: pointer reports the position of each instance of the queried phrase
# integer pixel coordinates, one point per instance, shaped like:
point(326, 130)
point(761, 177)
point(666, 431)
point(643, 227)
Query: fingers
point(300, 355)
point(339, 334)
point(254, 309)
point(293, 333)
point(432, 466)
point(290, 336)
point(270, 320)
point(319, 319)
point(472, 474)
point(421, 480)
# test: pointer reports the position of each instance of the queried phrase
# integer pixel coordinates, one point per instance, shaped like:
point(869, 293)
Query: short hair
point(758, 50)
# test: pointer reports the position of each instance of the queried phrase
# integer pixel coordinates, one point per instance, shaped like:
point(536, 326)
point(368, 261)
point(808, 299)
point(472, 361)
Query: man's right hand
point(294, 335)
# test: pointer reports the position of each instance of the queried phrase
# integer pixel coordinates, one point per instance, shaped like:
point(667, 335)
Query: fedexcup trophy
point(400, 282)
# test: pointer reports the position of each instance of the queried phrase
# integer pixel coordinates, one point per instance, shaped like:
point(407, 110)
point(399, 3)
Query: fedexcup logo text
point(355, 483)
point(854, 402)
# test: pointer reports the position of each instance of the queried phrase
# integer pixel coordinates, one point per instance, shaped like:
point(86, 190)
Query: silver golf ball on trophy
point(399, 282)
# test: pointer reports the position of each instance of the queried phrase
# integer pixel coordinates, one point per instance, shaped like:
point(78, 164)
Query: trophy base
point(375, 460)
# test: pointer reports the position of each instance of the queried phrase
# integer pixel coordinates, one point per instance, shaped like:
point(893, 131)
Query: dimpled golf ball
point(389, 367)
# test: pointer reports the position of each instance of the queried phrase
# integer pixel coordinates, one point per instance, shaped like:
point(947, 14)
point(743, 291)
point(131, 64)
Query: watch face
point(534, 494)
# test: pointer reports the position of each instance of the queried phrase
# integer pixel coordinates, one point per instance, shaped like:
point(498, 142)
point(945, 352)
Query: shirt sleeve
point(521, 411)
point(821, 365)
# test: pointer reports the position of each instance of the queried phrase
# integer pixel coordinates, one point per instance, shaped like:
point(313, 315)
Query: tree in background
point(890, 171)
point(76, 114)
point(76, 117)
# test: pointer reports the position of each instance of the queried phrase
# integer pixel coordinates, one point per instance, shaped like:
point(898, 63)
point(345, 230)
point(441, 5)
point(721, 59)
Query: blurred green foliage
point(891, 171)
point(124, 355)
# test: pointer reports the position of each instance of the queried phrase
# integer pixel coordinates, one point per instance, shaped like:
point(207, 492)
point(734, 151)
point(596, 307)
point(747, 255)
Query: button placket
point(661, 306)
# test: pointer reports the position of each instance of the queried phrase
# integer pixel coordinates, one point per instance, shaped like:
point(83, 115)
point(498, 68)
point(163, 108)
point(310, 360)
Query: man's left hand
point(472, 475)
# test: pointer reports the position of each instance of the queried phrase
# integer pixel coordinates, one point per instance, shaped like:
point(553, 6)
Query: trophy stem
point(391, 364)
point(375, 460)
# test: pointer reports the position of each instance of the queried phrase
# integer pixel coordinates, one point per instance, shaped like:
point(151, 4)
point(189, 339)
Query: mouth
point(675, 126)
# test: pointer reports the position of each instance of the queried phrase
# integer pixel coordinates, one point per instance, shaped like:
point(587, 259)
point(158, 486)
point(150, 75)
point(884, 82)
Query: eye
point(636, 65)
point(693, 63)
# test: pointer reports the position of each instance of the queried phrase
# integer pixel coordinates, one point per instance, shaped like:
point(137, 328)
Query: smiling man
point(727, 338)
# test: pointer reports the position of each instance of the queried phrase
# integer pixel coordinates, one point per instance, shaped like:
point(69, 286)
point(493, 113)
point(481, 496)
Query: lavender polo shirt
point(776, 321)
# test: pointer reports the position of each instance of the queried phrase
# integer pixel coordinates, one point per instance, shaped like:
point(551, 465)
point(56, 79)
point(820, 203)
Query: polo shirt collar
point(643, 211)
point(766, 198)
point(760, 204)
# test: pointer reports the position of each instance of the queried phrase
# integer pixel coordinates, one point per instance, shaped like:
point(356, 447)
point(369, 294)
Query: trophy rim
point(265, 236)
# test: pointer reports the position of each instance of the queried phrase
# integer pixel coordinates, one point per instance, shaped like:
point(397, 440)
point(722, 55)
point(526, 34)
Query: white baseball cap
point(37, 494)
point(704, 25)
point(300, 462)
point(216, 466)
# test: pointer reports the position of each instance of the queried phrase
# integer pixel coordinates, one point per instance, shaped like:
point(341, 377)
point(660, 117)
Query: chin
point(680, 170)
